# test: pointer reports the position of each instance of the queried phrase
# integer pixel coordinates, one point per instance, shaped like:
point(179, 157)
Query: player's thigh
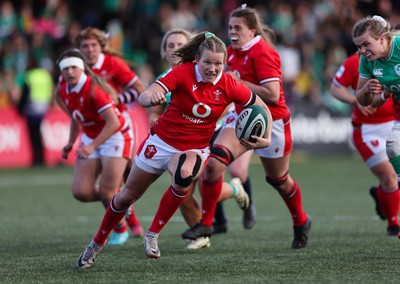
point(276, 168)
point(111, 174)
point(240, 166)
point(85, 174)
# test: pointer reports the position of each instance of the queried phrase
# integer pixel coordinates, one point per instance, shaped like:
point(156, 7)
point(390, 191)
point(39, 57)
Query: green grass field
point(44, 230)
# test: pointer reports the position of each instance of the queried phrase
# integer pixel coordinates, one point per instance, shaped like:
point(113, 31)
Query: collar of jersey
point(250, 43)
point(99, 62)
point(200, 78)
point(78, 87)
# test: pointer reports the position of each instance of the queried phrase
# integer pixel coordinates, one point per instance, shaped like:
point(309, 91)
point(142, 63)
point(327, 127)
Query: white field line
point(39, 180)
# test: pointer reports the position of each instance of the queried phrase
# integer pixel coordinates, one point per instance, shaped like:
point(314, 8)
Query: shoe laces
point(88, 254)
point(152, 242)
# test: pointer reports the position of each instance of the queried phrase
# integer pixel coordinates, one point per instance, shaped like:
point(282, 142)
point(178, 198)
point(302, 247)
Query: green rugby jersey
point(385, 70)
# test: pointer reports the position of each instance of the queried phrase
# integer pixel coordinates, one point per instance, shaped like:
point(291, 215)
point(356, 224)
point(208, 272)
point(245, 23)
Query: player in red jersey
point(377, 80)
point(93, 43)
point(371, 128)
point(253, 61)
point(106, 143)
point(190, 209)
point(178, 141)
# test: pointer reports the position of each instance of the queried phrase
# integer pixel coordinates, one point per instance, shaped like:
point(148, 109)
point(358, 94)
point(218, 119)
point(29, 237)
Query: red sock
point(210, 193)
point(110, 220)
point(169, 203)
point(132, 220)
point(389, 203)
point(294, 203)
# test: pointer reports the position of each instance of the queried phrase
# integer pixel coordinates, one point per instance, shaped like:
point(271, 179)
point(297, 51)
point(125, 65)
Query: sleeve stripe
point(163, 86)
point(104, 108)
point(269, 80)
point(131, 82)
point(251, 101)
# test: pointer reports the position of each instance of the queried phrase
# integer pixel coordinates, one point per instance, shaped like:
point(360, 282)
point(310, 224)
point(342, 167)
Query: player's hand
point(65, 150)
point(85, 151)
point(260, 142)
point(367, 110)
point(157, 98)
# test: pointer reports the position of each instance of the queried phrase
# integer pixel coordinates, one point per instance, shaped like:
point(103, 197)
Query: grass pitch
point(44, 230)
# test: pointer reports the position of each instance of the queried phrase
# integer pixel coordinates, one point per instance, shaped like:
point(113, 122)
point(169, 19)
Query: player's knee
point(184, 177)
point(82, 196)
point(278, 183)
point(392, 148)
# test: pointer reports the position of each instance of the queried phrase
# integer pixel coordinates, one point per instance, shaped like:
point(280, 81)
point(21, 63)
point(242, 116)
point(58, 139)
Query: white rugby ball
point(252, 120)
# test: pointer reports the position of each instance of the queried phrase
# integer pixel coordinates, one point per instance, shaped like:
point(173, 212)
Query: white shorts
point(281, 137)
point(154, 154)
point(370, 141)
point(119, 145)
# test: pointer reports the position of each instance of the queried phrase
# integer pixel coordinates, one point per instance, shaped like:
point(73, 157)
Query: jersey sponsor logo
point(378, 72)
point(77, 115)
point(201, 110)
point(150, 151)
point(397, 69)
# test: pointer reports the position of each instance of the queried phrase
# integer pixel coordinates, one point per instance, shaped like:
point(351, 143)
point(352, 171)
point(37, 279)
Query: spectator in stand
point(378, 81)
point(35, 100)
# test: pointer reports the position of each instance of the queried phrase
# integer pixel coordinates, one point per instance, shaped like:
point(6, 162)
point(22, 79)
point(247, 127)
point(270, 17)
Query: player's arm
point(132, 92)
point(367, 89)
point(269, 92)
point(154, 95)
point(74, 130)
point(342, 94)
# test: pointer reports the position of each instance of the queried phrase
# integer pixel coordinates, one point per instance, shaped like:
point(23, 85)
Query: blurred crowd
point(312, 36)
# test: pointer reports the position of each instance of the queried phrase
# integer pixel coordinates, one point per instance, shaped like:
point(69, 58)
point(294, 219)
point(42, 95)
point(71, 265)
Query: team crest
point(375, 143)
point(397, 69)
point(150, 151)
point(217, 93)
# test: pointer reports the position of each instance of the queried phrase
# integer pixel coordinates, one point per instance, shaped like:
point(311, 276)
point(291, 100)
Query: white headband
point(72, 61)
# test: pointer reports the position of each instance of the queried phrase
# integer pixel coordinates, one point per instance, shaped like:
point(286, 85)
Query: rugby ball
point(252, 120)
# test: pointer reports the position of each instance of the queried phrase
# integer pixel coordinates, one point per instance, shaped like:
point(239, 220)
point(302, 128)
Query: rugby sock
point(389, 204)
point(132, 220)
point(219, 215)
point(169, 203)
point(247, 188)
point(210, 193)
point(294, 203)
point(110, 220)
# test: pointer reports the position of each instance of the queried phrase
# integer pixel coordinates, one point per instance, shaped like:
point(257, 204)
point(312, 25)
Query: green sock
point(396, 164)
